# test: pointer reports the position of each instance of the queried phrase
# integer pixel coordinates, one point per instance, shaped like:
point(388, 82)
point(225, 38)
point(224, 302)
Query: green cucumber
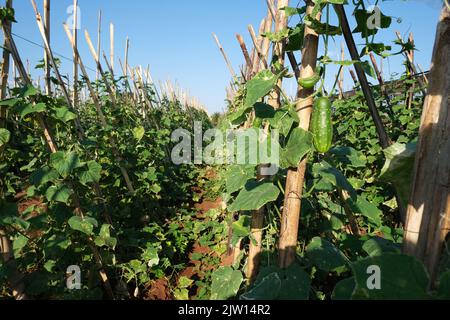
point(322, 125)
point(310, 82)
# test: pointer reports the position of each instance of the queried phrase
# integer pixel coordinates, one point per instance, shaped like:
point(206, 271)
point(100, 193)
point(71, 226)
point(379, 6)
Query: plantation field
point(116, 187)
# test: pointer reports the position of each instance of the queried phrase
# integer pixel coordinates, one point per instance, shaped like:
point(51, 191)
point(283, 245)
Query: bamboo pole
point(100, 69)
point(75, 59)
point(296, 177)
point(256, 44)
point(99, 40)
point(411, 65)
point(100, 114)
point(294, 64)
point(227, 61)
point(52, 61)
point(428, 215)
point(341, 74)
point(353, 75)
point(247, 58)
point(280, 47)
point(53, 149)
point(48, 82)
point(380, 80)
point(5, 72)
point(111, 39)
point(381, 131)
point(15, 278)
point(423, 74)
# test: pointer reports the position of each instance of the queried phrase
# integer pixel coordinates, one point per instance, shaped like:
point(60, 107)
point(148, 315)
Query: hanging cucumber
point(321, 125)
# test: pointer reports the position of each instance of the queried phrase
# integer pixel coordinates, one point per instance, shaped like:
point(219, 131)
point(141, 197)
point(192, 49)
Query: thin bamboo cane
point(48, 82)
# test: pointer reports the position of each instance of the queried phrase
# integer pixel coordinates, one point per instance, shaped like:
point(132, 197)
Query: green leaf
point(24, 110)
point(402, 277)
point(59, 193)
point(19, 243)
point(64, 114)
point(297, 147)
point(255, 196)
point(349, 156)
point(139, 133)
point(377, 246)
point(92, 174)
point(9, 102)
point(367, 209)
point(344, 289)
point(259, 86)
point(282, 121)
point(274, 283)
point(241, 228)
point(5, 135)
point(43, 175)
point(85, 225)
point(325, 255)
point(225, 283)
point(332, 175)
point(268, 288)
point(444, 286)
point(65, 162)
point(237, 176)
point(150, 255)
point(362, 19)
point(368, 69)
point(184, 282)
point(398, 167)
point(104, 238)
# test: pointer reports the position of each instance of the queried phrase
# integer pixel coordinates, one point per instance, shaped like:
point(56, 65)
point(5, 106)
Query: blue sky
point(174, 36)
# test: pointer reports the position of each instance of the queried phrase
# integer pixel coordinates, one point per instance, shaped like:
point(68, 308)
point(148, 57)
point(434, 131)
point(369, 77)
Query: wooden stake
point(99, 39)
point(100, 69)
point(111, 39)
point(295, 178)
point(53, 148)
point(352, 74)
point(248, 61)
point(423, 74)
point(100, 114)
point(51, 58)
point(428, 215)
point(381, 131)
point(261, 56)
point(75, 59)
point(227, 61)
point(341, 74)
point(380, 80)
point(48, 82)
point(5, 72)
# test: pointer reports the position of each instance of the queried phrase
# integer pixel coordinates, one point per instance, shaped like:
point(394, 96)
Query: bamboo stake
point(380, 80)
point(261, 56)
point(111, 71)
point(248, 60)
point(425, 78)
point(341, 74)
point(100, 114)
point(111, 39)
point(15, 278)
point(280, 47)
point(411, 65)
point(100, 69)
point(99, 39)
point(352, 74)
point(296, 177)
point(428, 215)
point(51, 58)
point(48, 83)
point(75, 60)
point(381, 131)
point(227, 61)
point(53, 148)
point(5, 72)
point(294, 64)
point(260, 41)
